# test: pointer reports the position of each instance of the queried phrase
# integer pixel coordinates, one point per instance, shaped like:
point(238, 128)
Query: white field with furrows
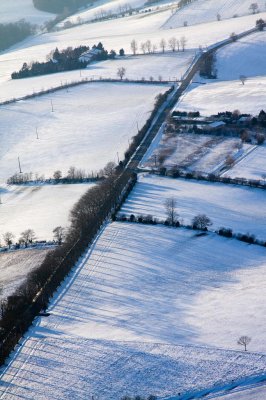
point(14, 267)
point(240, 208)
point(41, 208)
point(85, 126)
point(253, 166)
point(14, 10)
point(202, 11)
point(117, 34)
point(193, 152)
point(133, 311)
point(245, 57)
point(167, 66)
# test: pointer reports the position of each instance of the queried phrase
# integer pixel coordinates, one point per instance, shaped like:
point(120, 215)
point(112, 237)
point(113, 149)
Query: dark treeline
point(175, 172)
point(14, 32)
point(64, 60)
point(87, 217)
point(59, 6)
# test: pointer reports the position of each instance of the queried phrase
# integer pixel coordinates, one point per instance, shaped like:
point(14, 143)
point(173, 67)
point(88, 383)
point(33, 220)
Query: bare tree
point(170, 209)
point(109, 169)
point(148, 46)
point(8, 238)
point(172, 42)
point(27, 236)
point(183, 42)
point(121, 72)
point(201, 221)
point(154, 48)
point(254, 7)
point(57, 174)
point(163, 45)
point(244, 341)
point(143, 47)
point(134, 46)
point(59, 234)
point(242, 79)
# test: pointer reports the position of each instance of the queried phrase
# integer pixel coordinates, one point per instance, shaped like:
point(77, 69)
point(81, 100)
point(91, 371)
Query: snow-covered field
point(202, 153)
point(14, 10)
point(202, 11)
point(104, 8)
point(245, 57)
point(225, 96)
point(116, 34)
point(14, 267)
point(240, 208)
point(90, 125)
point(40, 208)
point(167, 66)
point(253, 166)
point(132, 316)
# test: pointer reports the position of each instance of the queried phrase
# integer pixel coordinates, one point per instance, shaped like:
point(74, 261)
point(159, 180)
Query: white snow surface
point(15, 10)
point(244, 57)
point(169, 66)
point(253, 166)
point(117, 34)
point(131, 317)
point(41, 208)
point(221, 96)
point(90, 124)
point(202, 11)
point(15, 265)
point(237, 207)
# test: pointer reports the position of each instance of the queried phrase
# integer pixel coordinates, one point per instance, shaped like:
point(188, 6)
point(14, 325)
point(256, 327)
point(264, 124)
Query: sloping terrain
point(237, 207)
point(85, 127)
point(41, 208)
point(118, 323)
point(245, 57)
point(202, 11)
point(14, 267)
point(253, 166)
point(167, 66)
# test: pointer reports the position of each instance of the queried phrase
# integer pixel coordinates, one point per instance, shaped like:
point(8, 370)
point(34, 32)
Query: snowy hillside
point(167, 66)
point(202, 11)
point(84, 127)
point(245, 57)
point(223, 204)
point(129, 308)
point(38, 208)
point(115, 35)
point(221, 96)
point(14, 10)
point(253, 166)
point(14, 267)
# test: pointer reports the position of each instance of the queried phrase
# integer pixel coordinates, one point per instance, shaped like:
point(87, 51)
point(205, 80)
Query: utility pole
point(37, 135)
point(19, 166)
point(117, 157)
point(52, 106)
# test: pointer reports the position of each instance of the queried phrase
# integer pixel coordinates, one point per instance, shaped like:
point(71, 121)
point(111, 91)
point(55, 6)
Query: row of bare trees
point(173, 44)
point(28, 237)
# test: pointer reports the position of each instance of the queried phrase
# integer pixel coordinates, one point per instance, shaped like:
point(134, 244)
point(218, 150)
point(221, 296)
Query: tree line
point(65, 60)
point(87, 217)
point(14, 32)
